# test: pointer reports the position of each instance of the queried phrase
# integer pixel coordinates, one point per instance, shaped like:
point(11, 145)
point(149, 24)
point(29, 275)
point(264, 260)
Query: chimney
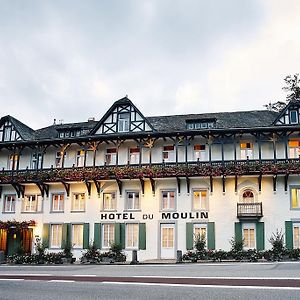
point(91, 119)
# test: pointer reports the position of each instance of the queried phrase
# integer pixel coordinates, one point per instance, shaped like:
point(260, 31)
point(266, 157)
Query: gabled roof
point(291, 104)
point(26, 133)
point(121, 102)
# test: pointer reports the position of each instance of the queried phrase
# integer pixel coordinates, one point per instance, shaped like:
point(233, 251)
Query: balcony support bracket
point(274, 182)
point(88, 186)
point(235, 183)
point(98, 186)
point(224, 183)
point(259, 182)
point(211, 182)
point(188, 185)
point(20, 189)
point(152, 182)
point(44, 188)
point(119, 183)
point(67, 187)
point(142, 181)
point(178, 184)
point(286, 178)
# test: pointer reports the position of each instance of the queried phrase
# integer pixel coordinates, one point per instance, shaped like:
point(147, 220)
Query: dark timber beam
point(142, 181)
point(286, 178)
point(44, 188)
point(1, 191)
point(152, 181)
point(119, 183)
point(274, 182)
point(67, 187)
point(259, 182)
point(211, 182)
point(188, 185)
point(98, 186)
point(88, 186)
point(235, 183)
point(178, 184)
point(224, 183)
point(20, 189)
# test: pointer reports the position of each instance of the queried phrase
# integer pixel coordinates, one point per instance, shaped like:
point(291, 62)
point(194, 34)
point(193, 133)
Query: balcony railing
point(249, 210)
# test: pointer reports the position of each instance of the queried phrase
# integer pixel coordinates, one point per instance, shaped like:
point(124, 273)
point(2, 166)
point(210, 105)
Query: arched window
point(248, 196)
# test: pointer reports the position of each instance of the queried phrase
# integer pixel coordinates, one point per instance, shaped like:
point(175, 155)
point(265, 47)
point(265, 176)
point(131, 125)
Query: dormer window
point(200, 124)
point(246, 150)
point(123, 122)
point(294, 117)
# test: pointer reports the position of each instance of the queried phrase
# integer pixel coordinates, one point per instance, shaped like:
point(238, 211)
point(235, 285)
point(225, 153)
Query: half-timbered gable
point(290, 115)
point(13, 130)
point(122, 117)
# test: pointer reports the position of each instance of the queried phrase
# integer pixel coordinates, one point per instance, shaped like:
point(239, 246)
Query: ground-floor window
point(56, 236)
point(108, 234)
point(296, 235)
point(249, 235)
point(77, 235)
point(200, 231)
point(132, 235)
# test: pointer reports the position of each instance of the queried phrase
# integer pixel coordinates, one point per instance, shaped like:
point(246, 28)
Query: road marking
point(24, 274)
point(215, 277)
point(203, 286)
point(79, 275)
point(11, 279)
point(54, 280)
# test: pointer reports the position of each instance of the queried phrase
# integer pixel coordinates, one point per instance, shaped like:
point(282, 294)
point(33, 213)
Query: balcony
point(249, 210)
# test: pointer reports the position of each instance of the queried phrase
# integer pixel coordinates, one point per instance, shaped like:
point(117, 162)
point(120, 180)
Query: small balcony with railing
point(249, 210)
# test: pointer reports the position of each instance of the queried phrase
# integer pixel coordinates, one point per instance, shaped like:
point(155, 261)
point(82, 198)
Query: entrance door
point(167, 243)
point(14, 241)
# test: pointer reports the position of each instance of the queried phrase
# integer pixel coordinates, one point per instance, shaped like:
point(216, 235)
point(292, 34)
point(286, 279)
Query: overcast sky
point(70, 60)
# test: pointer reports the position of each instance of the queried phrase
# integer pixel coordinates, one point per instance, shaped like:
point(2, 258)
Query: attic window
point(123, 122)
point(294, 117)
point(200, 124)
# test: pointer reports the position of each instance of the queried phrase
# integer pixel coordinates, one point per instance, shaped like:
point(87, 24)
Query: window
point(296, 235)
point(132, 235)
point(77, 235)
point(199, 152)
point(295, 198)
point(246, 150)
point(200, 230)
point(294, 148)
point(7, 133)
point(58, 159)
point(294, 117)
point(109, 201)
point(134, 155)
point(9, 203)
point(57, 203)
point(248, 196)
point(200, 201)
point(111, 156)
point(168, 200)
point(133, 201)
point(168, 153)
point(201, 124)
point(249, 236)
point(80, 158)
point(36, 161)
point(32, 203)
point(123, 122)
point(56, 236)
point(108, 235)
point(13, 161)
point(78, 202)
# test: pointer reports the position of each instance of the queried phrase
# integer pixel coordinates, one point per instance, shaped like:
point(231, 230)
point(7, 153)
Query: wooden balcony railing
point(249, 210)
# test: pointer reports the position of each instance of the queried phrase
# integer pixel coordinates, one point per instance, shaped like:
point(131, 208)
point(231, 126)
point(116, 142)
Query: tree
point(277, 106)
point(292, 87)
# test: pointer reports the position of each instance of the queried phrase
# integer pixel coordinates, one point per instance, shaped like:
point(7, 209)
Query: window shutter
point(142, 236)
point(45, 236)
point(117, 233)
point(86, 235)
point(238, 234)
point(289, 234)
point(189, 236)
point(260, 236)
point(211, 235)
point(66, 232)
point(97, 235)
point(122, 235)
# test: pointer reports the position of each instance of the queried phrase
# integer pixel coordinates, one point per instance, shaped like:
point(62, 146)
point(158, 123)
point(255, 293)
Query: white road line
point(25, 274)
point(79, 275)
point(213, 277)
point(11, 279)
point(204, 286)
point(61, 280)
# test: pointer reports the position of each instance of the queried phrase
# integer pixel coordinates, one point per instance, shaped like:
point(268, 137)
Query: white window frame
point(169, 207)
point(201, 207)
point(199, 154)
point(31, 203)
point(134, 156)
point(200, 227)
point(78, 197)
point(296, 237)
point(56, 241)
point(9, 203)
point(12, 161)
point(294, 151)
point(112, 201)
point(295, 191)
point(249, 226)
point(79, 160)
point(36, 161)
point(132, 235)
point(109, 237)
point(247, 152)
point(123, 123)
point(111, 157)
point(168, 155)
point(133, 203)
point(296, 114)
point(60, 201)
point(75, 243)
